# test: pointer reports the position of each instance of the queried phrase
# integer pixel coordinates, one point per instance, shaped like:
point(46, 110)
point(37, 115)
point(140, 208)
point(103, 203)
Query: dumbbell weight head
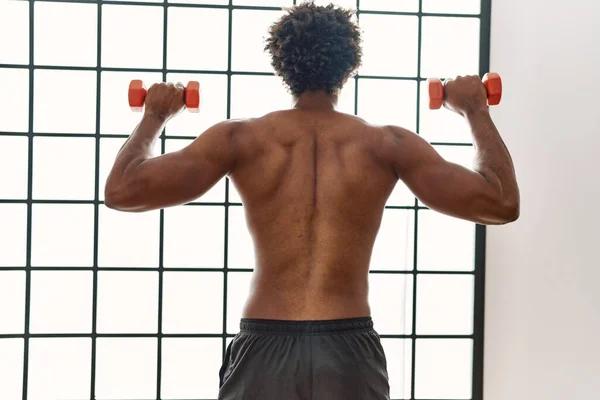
point(493, 86)
point(192, 96)
point(137, 95)
point(436, 93)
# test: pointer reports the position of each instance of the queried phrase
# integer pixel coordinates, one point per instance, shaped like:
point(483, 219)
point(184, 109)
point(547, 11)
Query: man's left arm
point(138, 182)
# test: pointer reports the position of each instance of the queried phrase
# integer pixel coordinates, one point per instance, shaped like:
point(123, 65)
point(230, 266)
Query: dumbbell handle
point(491, 81)
point(137, 95)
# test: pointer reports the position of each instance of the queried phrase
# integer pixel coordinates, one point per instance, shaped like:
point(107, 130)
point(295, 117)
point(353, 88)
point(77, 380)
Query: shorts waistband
point(306, 327)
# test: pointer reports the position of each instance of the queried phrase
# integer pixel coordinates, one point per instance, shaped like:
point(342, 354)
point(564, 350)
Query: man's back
point(314, 189)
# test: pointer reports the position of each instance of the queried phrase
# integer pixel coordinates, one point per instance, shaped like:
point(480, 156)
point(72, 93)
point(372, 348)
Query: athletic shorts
point(305, 360)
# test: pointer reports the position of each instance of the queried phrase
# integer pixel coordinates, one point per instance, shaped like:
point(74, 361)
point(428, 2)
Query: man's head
point(315, 48)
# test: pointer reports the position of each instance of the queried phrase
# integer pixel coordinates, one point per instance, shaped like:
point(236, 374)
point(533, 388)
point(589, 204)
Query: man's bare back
point(314, 183)
point(314, 189)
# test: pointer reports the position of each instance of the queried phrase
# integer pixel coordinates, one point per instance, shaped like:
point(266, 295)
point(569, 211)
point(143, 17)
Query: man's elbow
point(513, 211)
point(120, 200)
point(508, 211)
point(113, 198)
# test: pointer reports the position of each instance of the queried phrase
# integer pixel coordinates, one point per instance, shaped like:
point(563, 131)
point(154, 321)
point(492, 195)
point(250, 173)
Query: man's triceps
point(441, 185)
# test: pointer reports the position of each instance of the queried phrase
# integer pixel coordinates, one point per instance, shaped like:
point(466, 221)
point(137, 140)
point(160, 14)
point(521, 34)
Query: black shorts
point(307, 360)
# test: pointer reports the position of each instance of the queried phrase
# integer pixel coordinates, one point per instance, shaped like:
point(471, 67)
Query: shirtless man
point(314, 183)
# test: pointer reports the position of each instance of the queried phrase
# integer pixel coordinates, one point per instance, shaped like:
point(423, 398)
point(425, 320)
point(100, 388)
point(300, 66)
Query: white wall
point(543, 272)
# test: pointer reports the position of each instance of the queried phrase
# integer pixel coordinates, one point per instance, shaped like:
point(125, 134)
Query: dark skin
point(314, 183)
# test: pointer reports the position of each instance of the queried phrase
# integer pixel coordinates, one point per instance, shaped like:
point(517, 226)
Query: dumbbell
point(137, 95)
point(491, 81)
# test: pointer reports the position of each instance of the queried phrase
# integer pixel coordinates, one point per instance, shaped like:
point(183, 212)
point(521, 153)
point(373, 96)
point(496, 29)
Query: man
point(314, 183)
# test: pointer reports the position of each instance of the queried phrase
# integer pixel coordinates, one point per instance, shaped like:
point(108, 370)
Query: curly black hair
point(315, 47)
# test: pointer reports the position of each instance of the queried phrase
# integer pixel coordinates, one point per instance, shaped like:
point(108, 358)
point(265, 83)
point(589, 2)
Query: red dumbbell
point(137, 95)
point(491, 81)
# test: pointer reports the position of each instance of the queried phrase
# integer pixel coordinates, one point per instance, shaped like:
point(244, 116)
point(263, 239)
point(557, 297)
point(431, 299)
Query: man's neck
point(316, 100)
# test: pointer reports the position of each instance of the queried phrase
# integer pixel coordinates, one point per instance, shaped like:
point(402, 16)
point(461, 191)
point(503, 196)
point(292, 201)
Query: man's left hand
point(165, 100)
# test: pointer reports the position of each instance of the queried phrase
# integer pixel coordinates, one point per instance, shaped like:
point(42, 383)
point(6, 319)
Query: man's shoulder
point(396, 133)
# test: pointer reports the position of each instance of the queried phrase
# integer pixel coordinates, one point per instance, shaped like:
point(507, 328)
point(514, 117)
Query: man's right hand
point(488, 193)
point(465, 94)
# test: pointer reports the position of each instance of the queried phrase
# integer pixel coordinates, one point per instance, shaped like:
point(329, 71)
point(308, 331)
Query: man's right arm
point(489, 194)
